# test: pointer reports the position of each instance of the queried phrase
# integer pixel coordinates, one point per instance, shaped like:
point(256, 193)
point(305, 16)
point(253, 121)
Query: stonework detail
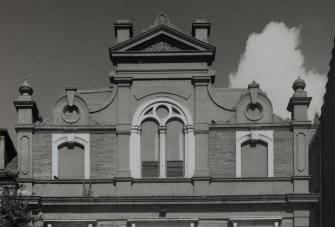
point(161, 19)
point(161, 47)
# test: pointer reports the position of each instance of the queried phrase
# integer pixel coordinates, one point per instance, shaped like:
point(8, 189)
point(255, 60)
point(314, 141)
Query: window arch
point(253, 148)
point(162, 140)
point(71, 147)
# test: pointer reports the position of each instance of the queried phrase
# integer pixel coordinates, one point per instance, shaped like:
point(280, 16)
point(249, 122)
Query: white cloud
point(273, 60)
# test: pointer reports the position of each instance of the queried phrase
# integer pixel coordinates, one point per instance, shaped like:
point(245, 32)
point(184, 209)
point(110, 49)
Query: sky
point(56, 43)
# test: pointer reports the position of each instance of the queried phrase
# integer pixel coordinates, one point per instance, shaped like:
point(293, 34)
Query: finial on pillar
point(25, 88)
point(299, 84)
point(299, 102)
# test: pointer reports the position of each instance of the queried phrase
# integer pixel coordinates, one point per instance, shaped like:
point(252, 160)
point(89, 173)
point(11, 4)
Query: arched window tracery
point(163, 130)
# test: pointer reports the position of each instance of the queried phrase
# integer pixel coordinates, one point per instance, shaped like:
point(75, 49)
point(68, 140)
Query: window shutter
point(174, 168)
point(150, 168)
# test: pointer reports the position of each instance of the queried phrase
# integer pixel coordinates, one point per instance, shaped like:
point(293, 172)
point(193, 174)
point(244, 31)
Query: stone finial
point(161, 19)
point(299, 84)
point(253, 84)
point(70, 92)
point(253, 87)
point(25, 88)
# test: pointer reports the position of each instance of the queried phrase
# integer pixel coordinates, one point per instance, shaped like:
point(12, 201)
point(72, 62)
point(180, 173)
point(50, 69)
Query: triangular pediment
point(162, 38)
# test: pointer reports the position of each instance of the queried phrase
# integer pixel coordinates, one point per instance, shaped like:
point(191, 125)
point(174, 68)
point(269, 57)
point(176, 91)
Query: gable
point(162, 42)
point(162, 38)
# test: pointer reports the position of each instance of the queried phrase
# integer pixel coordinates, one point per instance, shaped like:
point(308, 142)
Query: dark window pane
point(174, 141)
point(254, 161)
point(149, 141)
point(71, 162)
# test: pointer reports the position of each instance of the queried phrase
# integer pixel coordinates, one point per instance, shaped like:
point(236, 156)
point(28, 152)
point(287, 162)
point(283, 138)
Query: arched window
point(70, 156)
point(162, 140)
point(254, 159)
point(71, 161)
point(150, 149)
point(254, 154)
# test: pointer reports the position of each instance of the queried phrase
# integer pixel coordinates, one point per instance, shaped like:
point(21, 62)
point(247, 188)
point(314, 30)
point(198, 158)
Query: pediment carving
point(160, 47)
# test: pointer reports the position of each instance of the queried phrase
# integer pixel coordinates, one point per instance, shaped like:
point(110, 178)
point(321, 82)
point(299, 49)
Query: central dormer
point(162, 51)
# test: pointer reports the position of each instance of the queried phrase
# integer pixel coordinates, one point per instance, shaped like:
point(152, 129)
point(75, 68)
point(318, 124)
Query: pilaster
point(123, 128)
point(27, 116)
point(298, 106)
point(201, 125)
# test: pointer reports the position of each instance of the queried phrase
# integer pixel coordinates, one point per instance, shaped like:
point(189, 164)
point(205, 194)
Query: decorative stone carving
point(161, 19)
point(161, 46)
point(93, 122)
point(231, 121)
point(46, 121)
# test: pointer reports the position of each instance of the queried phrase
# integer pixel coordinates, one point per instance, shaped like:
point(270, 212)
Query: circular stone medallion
point(70, 114)
point(254, 112)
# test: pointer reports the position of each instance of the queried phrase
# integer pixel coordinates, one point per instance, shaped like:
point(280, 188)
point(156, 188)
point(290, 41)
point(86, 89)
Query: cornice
point(75, 128)
point(242, 126)
point(292, 199)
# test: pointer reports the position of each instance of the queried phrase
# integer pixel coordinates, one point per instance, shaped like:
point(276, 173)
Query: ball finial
point(25, 88)
point(299, 84)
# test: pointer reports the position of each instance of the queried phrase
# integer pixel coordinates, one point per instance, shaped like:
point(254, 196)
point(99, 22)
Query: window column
point(162, 132)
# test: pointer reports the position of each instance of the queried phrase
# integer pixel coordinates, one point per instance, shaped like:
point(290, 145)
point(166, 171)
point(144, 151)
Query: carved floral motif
point(161, 46)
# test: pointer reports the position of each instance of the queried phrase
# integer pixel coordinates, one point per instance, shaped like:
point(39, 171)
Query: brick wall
point(221, 145)
point(283, 153)
point(42, 148)
point(103, 155)
point(221, 151)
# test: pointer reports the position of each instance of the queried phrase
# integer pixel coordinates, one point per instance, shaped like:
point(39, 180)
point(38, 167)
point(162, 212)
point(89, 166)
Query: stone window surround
point(236, 220)
point(51, 222)
point(135, 139)
point(81, 138)
point(264, 135)
point(191, 221)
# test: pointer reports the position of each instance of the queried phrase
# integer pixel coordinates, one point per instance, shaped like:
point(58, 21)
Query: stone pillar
point(123, 130)
point(123, 30)
point(201, 29)
point(162, 161)
point(298, 106)
point(201, 174)
point(27, 116)
point(301, 218)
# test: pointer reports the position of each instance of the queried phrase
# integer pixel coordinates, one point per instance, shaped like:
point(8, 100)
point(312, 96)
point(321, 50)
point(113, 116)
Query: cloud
point(273, 60)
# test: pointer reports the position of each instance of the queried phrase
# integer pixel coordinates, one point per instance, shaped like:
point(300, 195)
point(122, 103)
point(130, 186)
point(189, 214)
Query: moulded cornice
point(294, 199)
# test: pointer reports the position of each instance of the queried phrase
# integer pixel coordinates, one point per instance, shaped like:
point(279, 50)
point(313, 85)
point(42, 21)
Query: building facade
point(160, 146)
